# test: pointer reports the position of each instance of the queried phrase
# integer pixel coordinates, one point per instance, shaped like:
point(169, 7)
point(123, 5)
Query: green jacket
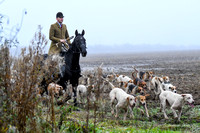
point(55, 34)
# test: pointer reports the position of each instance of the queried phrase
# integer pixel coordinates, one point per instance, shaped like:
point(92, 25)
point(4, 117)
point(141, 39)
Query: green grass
point(140, 124)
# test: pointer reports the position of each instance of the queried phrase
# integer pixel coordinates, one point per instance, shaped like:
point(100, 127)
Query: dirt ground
point(183, 67)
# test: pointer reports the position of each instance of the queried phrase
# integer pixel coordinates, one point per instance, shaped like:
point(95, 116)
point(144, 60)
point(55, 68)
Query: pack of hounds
point(131, 92)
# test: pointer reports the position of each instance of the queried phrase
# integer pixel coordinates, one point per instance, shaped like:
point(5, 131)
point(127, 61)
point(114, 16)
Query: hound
point(110, 77)
point(121, 79)
point(145, 76)
point(82, 92)
point(133, 89)
point(175, 101)
point(139, 82)
point(54, 89)
point(39, 91)
point(169, 87)
point(165, 79)
point(141, 100)
point(157, 85)
point(124, 101)
point(110, 84)
point(83, 80)
point(106, 86)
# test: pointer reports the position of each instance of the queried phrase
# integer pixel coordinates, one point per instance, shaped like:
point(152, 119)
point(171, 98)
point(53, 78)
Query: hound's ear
point(127, 99)
point(61, 87)
point(126, 84)
point(174, 87)
point(183, 95)
point(160, 80)
point(83, 32)
point(76, 32)
point(135, 99)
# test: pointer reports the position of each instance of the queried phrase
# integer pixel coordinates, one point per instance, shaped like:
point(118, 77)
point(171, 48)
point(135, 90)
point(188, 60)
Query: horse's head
point(79, 43)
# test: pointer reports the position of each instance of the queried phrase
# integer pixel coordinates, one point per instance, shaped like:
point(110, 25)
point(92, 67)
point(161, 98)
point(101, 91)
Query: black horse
point(70, 71)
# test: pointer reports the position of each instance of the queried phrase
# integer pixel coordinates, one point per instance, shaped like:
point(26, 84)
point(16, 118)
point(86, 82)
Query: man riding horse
point(61, 45)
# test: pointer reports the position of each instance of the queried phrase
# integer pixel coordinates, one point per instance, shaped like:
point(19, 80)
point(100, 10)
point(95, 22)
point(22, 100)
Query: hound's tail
point(113, 72)
point(133, 75)
point(135, 69)
point(111, 85)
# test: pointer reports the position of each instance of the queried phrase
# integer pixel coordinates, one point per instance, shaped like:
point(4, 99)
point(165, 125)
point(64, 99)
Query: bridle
point(78, 43)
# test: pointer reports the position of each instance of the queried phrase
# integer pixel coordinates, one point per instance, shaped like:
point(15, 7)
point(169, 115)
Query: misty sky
point(111, 22)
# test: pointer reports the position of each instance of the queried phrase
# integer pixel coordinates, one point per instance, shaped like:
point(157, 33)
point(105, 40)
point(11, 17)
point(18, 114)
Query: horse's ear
point(76, 32)
point(83, 32)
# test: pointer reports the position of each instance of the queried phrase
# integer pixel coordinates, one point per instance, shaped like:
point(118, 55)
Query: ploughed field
point(182, 67)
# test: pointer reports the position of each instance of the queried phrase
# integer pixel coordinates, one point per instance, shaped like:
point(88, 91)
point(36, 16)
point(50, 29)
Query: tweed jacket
point(55, 34)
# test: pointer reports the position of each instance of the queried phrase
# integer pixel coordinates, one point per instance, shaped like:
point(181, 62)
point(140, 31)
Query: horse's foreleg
point(75, 97)
point(63, 83)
